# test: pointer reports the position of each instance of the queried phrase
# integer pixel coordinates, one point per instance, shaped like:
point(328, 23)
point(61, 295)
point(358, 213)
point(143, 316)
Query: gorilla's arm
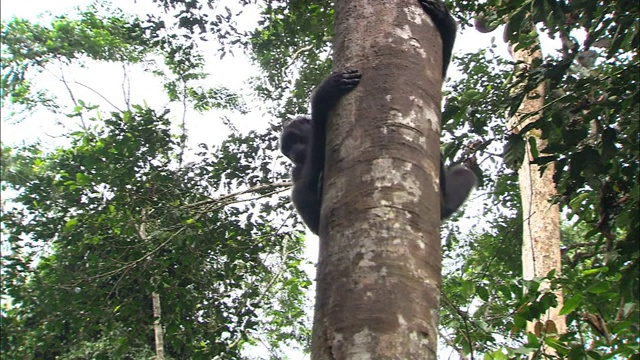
point(446, 26)
point(304, 141)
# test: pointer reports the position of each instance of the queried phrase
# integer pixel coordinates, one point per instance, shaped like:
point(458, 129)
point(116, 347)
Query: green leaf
point(467, 288)
point(483, 293)
point(599, 288)
point(71, 223)
point(570, 304)
point(514, 151)
point(82, 179)
point(595, 271)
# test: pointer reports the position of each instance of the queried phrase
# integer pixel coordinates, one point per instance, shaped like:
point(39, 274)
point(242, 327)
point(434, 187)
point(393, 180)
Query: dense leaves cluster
point(98, 227)
point(292, 45)
point(92, 230)
point(590, 126)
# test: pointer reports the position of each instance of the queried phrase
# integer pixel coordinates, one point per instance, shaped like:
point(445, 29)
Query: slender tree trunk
point(157, 326)
point(155, 300)
point(541, 228)
point(379, 268)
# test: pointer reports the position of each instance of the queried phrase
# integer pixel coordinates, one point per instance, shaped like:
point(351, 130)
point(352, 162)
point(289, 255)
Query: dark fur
point(303, 142)
point(303, 139)
point(458, 180)
point(446, 26)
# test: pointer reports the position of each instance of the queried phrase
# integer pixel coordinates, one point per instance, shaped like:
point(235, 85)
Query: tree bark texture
point(379, 264)
point(541, 219)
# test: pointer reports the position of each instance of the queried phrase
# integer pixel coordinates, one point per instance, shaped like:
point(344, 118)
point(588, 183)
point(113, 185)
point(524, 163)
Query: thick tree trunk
point(379, 267)
point(541, 220)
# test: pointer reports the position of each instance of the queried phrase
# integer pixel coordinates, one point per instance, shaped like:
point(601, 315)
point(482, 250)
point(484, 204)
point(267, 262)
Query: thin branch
point(142, 258)
point(224, 198)
point(181, 229)
point(97, 93)
point(183, 135)
point(126, 86)
point(294, 56)
point(452, 345)
point(73, 98)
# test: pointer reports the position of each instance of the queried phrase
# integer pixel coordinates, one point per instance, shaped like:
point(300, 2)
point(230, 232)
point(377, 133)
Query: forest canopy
point(130, 233)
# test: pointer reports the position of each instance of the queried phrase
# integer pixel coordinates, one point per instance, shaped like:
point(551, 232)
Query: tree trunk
point(155, 299)
point(157, 326)
point(541, 220)
point(379, 264)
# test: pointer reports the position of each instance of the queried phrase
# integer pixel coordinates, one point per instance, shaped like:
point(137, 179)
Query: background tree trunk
point(155, 298)
point(379, 266)
point(157, 326)
point(541, 219)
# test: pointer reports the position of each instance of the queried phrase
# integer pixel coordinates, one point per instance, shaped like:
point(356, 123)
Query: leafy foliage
point(102, 34)
point(591, 127)
point(27, 46)
point(109, 220)
point(93, 229)
point(293, 38)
